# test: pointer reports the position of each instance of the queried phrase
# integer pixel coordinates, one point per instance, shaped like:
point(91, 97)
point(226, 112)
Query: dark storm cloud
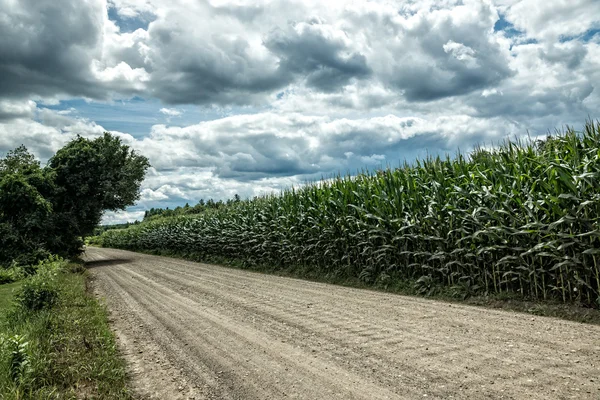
point(46, 47)
point(439, 58)
point(319, 54)
point(222, 70)
point(229, 53)
point(227, 69)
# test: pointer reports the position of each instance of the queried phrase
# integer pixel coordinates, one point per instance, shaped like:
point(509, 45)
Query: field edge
point(567, 311)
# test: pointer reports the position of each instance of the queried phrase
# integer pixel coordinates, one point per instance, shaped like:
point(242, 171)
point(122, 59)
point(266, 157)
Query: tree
point(90, 177)
point(52, 209)
point(24, 209)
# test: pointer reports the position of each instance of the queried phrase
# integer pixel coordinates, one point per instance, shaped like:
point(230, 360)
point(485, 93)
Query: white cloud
point(171, 112)
point(296, 89)
point(121, 217)
point(10, 109)
point(549, 20)
point(258, 153)
point(121, 74)
point(461, 52)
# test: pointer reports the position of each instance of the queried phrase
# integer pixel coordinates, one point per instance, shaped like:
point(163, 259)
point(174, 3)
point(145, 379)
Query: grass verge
point(7, 292)
point(65, 351)
point(504, 301)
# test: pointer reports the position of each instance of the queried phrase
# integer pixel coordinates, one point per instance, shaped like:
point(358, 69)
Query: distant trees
point(52, 208)
point(187, 209)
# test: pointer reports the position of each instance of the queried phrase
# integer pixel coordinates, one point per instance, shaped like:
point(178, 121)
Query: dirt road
point(201, 331)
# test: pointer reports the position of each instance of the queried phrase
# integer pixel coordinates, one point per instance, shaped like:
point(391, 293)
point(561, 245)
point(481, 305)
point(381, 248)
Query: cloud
point(320, 53)
point(446, 52)
point(228, 53)
point(170, 112)
point(240, 54)
point(249, 148)
point(57, 49)
point(257, 146)
point(551, 20)
point(48, 132)
point(121, 217)
point(133, 8)
point(269, 94)
point(46, 47)
point(11, 109)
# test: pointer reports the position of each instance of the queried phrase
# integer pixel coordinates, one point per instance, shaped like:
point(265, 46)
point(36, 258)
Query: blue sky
point(137, 115)
point(251, 97)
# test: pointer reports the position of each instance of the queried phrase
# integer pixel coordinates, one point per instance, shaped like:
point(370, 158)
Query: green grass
point(6, 296)
point(69, 350)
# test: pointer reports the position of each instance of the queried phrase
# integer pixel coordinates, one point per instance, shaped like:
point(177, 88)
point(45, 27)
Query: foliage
point(11, 274)
point(7, 292)
point(199, 208)
point(68, 351)
point(51, 209)
point(94, 241)
point(523, 218)
point(24, 207)
point(103, 228)
point(41, 291)
point(38, 293)
point(91, 176)
point(18, 358)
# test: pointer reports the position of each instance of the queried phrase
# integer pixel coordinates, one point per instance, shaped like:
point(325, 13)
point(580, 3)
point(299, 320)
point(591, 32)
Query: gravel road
point(198, 331)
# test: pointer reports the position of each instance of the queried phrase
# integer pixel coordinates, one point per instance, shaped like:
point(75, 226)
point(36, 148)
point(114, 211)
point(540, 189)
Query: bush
point(41, 291)
point(37, 293)
point(68, 352)
point(11, 274)
point(6, 276)
point(29, 261)
point(93, 241)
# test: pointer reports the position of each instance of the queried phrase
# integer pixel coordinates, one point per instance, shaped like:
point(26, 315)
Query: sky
point(250, 97)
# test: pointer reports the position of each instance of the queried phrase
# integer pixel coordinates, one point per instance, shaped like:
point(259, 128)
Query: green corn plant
point(520, 218)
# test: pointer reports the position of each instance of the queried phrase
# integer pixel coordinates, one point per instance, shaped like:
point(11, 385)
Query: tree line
point(51, 209)
point(199, 208)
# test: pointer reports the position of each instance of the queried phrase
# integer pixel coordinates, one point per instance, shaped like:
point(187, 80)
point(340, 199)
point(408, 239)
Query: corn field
point(522, 218)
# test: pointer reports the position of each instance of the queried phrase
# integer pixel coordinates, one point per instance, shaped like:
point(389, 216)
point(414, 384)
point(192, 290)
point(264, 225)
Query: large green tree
point(90, 177)
point(55, 207)
point(24, 207)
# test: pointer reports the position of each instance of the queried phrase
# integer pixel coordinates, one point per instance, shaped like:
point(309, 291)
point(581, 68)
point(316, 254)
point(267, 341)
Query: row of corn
point(523, 218)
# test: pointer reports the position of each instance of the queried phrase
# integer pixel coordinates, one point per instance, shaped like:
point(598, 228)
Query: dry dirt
point(197, 331)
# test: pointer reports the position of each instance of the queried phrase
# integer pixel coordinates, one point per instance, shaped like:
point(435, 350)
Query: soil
point(198, 331)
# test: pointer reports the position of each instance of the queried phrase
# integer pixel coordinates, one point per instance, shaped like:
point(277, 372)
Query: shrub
point(6, 276)
point(29, 261)
point(41, 291)
point(11, 274)
point(94, 241)
point(37, 293)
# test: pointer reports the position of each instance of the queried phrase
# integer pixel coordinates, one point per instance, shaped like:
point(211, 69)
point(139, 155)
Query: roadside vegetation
point(518, 221)
point(51, 209)
point(54, 339)
point(55, 342)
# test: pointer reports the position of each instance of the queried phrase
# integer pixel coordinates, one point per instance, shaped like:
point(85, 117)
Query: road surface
point(198, 331)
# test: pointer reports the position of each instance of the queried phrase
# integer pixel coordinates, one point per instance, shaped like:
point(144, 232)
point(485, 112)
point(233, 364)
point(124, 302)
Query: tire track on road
point(234, 334)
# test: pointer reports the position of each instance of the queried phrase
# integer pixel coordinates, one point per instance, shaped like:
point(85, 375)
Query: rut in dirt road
point(200, 331)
